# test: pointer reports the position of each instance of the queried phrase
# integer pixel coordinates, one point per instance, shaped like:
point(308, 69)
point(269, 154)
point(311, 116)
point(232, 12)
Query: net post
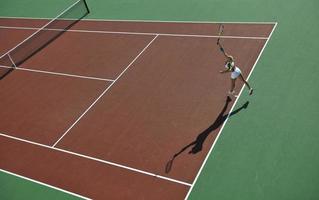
point(86, 5)
point(14, 65)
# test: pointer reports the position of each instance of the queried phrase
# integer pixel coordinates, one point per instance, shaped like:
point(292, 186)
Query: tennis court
point(118, 109)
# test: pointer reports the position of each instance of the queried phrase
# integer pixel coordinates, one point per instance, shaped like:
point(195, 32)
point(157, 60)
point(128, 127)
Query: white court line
point(220, 131)
point(15, 66)
point(139, 33)
point(59, 74)
point(140, 20)
point(119, 76)
point(96, 159)
point(44, 184)
point(39, 29)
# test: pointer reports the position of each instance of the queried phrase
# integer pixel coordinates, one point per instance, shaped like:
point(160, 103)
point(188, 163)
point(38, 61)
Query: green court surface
point(271, 151)
point(13, 187)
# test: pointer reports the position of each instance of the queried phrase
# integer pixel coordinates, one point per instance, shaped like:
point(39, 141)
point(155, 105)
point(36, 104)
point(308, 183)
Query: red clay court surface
point(102, 109)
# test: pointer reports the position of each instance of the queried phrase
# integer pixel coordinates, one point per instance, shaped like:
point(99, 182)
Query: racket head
point(220, 29)
point(220, 32)
point(169, 165)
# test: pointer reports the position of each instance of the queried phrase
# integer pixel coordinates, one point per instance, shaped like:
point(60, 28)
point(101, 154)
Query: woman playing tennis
point(235, 72)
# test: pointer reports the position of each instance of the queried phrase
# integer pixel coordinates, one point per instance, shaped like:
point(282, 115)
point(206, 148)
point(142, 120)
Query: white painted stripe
point(219, 133)
point(96, 159)
point(60, 74)
point(125, 167)
point(152, 21)
point(104, 91)
point(44, 184)
point(140, 33)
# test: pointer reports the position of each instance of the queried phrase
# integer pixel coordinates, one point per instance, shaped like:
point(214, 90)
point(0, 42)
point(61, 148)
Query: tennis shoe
point(251, 91)
point(232, 93)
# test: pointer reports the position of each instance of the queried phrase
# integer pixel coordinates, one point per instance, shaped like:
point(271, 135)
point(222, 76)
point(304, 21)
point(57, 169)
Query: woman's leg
point(246, 83)
point(232, 86)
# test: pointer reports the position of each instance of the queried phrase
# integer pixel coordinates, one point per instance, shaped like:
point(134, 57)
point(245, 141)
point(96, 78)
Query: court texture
point(124, 100)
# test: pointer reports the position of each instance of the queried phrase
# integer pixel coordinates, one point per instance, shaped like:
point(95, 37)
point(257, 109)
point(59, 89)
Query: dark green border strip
point(15, 187)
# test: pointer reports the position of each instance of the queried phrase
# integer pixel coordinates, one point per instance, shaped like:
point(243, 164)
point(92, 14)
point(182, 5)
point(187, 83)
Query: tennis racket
point(220, 32)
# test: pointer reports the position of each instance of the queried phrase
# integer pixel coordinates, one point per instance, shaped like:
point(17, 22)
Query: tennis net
point(42, 37)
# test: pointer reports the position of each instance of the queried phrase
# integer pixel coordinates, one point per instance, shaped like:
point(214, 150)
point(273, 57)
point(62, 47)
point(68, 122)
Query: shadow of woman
point(200, 139)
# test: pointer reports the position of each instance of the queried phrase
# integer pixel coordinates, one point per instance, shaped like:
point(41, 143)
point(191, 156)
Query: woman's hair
point(229, 64)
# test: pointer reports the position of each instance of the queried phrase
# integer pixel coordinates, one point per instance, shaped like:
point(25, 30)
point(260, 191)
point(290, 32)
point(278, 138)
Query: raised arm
point(228, 56)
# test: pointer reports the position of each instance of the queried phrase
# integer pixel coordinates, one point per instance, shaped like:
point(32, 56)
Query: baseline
point(137, 33)
point(219, 133)
point(140, 20)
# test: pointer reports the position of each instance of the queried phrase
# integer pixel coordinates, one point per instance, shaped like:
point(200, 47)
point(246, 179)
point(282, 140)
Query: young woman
point(235, 72)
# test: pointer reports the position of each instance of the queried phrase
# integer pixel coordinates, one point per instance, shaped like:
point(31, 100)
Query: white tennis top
point(235, 73)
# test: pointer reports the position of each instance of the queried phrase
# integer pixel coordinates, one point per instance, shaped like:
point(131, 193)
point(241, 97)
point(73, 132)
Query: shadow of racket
point(169, 165)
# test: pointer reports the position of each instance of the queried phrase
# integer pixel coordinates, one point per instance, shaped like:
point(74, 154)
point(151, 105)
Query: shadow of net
point(42, 37)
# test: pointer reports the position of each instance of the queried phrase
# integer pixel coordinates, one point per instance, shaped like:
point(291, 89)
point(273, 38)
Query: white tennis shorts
point(235, 73)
